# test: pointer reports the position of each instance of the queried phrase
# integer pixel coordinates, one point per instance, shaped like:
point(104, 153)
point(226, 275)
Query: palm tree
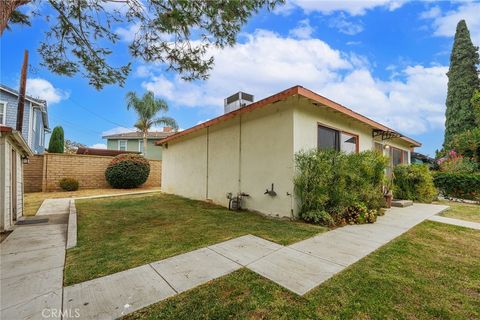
point(147, 108)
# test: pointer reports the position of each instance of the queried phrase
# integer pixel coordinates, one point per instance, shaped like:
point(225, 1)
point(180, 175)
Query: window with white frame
point(3, 112)
point(122, 145)
point(140, 146)
point(34, 123)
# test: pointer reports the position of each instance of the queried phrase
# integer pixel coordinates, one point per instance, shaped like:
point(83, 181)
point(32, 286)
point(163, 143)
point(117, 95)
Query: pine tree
point(463, 80)
point(56, 144)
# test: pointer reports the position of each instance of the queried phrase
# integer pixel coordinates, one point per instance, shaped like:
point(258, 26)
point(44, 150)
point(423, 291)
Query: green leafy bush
point(69, 184)
point(328, 182)
point(413, 182)
point(458, 185)
point(127, 171)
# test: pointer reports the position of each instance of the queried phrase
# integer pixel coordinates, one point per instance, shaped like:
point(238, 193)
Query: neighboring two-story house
point(133, 141)
point(35, 117)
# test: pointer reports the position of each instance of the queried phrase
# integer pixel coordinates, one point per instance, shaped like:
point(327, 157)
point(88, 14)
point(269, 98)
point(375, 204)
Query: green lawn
point(464, 211)
point(115, 234)
point(431, 272)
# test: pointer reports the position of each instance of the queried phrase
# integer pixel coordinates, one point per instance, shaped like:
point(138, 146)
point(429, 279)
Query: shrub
point(413, 182)
point(467, 144)
point(69, 184)
point(359, 213)
point(127, 171)
point(56, 143)
point(328, 182)
point(458, 185)
point(453, 162)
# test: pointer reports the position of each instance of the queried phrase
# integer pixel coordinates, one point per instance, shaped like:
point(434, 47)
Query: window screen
point(348, 143)
point(405, 157)
point(328, 138)
point(395, 156)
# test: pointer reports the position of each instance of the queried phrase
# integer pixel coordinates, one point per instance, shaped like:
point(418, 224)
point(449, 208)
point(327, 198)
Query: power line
point(74, 125)
point(98, 115)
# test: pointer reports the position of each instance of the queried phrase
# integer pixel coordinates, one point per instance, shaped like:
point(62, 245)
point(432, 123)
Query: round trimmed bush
point(127, 171)
point(69, 184)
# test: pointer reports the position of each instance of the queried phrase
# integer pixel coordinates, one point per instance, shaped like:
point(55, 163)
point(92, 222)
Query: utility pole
point(21, 92)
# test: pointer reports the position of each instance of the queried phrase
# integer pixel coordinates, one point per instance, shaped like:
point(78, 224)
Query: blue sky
point(384, 59)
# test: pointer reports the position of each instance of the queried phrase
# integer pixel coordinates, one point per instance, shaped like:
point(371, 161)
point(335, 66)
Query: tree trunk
point(7, 7)
point(145, 144)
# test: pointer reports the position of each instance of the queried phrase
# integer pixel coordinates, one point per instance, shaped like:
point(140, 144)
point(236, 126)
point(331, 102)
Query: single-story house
point(35, 117)
point(133, 141)
point(251, 149)
point(14, 150)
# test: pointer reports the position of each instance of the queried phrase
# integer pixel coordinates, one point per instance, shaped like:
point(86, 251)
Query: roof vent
point(237, 101)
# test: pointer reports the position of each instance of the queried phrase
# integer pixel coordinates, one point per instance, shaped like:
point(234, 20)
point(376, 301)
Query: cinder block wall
point(33, 174)
point(89, 170)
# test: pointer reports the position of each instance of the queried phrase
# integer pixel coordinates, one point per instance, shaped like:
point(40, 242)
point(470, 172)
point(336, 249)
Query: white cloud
point(99, 146)
point(303, 30)
point(265, 62)
point(413, 106)
point(445, 23)
point(128, 34)
point(345, 26)
point(412, 102)
point(352, 7)
point(117, 130)
point(353, 43)
point(44, 90)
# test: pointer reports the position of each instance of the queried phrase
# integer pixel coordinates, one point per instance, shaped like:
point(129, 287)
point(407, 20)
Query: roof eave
point(18, 139)
point(281, 96)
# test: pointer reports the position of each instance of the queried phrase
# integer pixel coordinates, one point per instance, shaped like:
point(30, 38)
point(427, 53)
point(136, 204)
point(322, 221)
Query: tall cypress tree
point(462, 82)
point(57, 143)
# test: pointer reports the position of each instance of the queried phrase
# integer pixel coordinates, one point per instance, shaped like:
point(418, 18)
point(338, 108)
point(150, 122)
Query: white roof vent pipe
point(237, 101)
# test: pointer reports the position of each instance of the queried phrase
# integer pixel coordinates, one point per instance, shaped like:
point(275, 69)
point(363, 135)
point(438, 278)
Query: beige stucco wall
point(307, 117)
point(6, 147)
point(184, 166)
point(250, 152)
point(245, 154)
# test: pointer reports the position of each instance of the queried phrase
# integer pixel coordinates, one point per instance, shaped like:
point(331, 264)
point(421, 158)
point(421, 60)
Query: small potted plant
point(388, 191)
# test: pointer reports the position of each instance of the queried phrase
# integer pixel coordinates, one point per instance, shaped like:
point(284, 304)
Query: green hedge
point(329, 182)
point(413, 182)
point(458, 185)
point(127, 171)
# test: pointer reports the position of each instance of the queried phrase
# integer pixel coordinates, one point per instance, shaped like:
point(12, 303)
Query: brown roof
point(139, 135)
point(297, 90)
point(102, 152)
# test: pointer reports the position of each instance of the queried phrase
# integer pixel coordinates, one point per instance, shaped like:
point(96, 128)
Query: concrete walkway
point(456, 222)
point(54, 206)
point(298, 267)
point(32, 263)
point(31, 271)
